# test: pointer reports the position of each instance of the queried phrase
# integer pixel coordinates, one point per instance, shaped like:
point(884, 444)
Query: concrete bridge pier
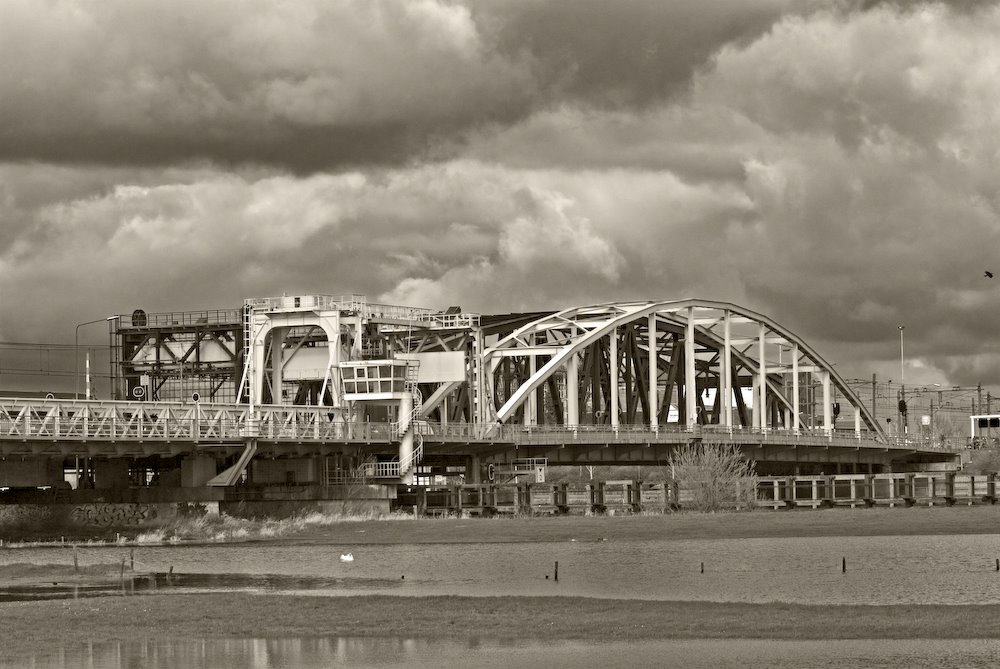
point(111, 473)
point(473, 469)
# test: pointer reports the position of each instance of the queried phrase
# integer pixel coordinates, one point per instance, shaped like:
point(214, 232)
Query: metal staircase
point(357, 476)
point(247, 378)
point(398, 468)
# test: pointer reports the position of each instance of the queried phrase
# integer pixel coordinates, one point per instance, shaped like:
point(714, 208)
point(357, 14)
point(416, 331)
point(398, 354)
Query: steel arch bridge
point(681, 362)
point(614, 383)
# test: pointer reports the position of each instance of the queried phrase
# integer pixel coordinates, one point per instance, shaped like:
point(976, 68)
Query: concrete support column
point(473, 469)
point(112, 473)
point(795, 388)
point(653, 375)
point(690, 372)
point(573, 390)
point(197, 470)
point(857, 421)
point(762, 374)
point(755, 406)
point(613, 367)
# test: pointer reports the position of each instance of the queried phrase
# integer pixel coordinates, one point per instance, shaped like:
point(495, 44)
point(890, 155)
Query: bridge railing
point(546, 434)
point(176, 421)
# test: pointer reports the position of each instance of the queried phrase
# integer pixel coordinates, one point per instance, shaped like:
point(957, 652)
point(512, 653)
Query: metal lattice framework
point(687, 362)
point(76, 421)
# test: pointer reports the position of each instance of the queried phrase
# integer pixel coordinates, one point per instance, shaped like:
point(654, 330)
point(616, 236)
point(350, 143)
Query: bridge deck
point(29, 426)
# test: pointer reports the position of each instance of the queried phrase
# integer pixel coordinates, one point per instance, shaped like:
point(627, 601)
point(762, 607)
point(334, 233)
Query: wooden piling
point(702, 567)
point(843, 565)
point(131, 559)
point(76, 561)
point(998, 564)
point(557, 570)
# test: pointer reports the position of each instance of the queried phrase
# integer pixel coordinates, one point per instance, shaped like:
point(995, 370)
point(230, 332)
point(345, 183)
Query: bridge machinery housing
point(316, 397)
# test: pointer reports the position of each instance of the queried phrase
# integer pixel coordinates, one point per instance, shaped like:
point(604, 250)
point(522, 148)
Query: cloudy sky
point(834, 165)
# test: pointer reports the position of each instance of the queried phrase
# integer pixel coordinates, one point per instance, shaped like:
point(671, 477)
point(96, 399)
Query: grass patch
point(223, 528)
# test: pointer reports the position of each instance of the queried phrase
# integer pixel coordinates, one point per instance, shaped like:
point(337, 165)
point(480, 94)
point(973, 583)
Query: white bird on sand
point(348, 557)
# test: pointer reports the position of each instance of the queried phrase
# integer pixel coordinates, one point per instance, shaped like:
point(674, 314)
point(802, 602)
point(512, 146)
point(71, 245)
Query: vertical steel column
point(572, 390)
point(277, 363)
point(255, 376)
point(857, 421)
point(762, 374)
point(613, 368)
point(827, 403)
point(795, 388)
point(727, 372)
point(653, 372)
point(479, 380)
point(530, 404)
point(690, 372)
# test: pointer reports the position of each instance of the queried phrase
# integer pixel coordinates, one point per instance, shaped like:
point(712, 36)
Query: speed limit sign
point(491, 471)
point(138, 392)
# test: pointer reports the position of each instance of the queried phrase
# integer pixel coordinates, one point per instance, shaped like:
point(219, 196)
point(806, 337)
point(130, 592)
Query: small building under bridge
point(316, 397)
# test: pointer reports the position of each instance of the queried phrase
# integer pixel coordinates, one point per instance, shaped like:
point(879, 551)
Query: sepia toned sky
point(834, 165)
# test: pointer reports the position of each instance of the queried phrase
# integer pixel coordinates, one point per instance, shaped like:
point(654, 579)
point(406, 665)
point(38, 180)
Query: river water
point(955, 569)
point(958, 569)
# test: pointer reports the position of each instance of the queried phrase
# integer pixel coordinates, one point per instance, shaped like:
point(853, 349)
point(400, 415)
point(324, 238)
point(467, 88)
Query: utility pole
point(979, 398)
point(874, 392)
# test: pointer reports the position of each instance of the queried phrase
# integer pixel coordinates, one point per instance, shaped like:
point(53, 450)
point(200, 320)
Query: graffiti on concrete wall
point(93, 514)
point(113, 515)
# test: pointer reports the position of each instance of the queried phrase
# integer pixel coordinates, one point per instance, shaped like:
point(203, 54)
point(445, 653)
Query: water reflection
point(419, 654)
point(188, 583)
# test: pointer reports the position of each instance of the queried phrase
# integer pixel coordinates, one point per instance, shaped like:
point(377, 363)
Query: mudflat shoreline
point(30, 625)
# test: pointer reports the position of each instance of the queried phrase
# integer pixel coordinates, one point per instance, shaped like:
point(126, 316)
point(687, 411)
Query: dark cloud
point(832, 165)
point(300, 84)
point(309, 86)
point(629, 53)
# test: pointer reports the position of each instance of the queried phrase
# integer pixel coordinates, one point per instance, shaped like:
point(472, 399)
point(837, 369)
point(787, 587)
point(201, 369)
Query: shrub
point(717, 476)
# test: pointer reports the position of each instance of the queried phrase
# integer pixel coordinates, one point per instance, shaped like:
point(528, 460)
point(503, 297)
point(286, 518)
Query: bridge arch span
point(682, 362)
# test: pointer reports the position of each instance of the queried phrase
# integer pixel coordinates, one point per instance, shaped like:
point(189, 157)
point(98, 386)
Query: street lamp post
point(76, 351)
point(901, 365)
point(902, 384)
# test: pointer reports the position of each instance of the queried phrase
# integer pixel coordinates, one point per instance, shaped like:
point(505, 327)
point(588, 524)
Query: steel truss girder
point(84, 421)
point(565, 333)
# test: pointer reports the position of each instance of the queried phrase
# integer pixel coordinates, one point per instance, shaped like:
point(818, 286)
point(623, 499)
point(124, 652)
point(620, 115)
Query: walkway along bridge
point(334, 389)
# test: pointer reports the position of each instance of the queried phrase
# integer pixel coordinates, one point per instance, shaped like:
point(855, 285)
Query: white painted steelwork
point(723, 334)
point(80, 420)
